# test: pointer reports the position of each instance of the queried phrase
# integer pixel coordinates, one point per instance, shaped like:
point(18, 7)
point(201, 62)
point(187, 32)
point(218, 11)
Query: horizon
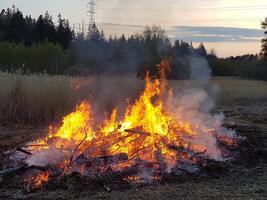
point(231, 28)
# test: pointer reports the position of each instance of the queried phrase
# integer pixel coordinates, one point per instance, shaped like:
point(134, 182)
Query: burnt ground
point(245, 178)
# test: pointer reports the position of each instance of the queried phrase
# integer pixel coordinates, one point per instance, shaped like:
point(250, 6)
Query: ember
point(157, 135)
point(38, 180)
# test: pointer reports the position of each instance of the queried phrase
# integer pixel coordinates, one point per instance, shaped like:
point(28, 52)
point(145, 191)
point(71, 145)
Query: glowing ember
point(38, 180)
point(157, 129)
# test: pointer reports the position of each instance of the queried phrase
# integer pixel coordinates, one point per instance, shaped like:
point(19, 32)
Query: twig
point(12, 152)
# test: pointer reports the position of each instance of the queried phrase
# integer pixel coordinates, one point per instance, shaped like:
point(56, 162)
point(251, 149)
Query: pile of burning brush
point(158, 135)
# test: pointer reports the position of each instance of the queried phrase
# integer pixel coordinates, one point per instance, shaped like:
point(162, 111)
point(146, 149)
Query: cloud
point(214, 34)
point(195, 34)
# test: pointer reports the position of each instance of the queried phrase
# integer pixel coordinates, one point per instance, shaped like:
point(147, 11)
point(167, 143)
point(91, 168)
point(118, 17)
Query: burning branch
point(135, 131)
point(76, 149)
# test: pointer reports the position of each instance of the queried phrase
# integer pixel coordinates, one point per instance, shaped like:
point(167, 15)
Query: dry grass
point(228, 90)
point(237, 89)
point(34, 99)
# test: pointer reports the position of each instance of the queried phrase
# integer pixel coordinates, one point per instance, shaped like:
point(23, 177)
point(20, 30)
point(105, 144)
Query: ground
point(245, 178)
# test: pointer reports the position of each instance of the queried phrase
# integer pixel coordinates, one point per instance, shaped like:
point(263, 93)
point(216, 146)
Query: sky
point(231, 27)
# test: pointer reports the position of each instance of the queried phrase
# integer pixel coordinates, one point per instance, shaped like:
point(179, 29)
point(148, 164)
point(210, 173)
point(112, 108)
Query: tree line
point(40, 45)
point(15, 28)
point(253, 66)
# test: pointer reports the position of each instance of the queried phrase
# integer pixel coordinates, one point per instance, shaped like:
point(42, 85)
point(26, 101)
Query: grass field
point(39, 99)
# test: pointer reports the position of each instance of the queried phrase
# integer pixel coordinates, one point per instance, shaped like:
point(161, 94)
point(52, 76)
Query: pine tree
point(94, 33)
point(64, 32)
point(201, 50)
point(15, 27)
point(102, 35)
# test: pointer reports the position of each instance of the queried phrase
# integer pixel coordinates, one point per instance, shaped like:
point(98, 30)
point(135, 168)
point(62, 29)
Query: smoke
point(50, 156)
point(199, 69)
point(195, 104)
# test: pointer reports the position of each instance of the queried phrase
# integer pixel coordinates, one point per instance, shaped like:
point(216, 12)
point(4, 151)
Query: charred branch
point(24, 151)
point(10, 171)
point(187, 151)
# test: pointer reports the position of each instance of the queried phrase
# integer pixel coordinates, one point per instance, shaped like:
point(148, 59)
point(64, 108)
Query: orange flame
point(148, 129)
point(38, 180)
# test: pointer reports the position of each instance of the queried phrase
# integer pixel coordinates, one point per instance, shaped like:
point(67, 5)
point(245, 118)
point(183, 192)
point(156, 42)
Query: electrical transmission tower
point(92, 13)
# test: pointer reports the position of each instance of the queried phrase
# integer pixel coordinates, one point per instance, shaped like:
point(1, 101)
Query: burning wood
point(156, 136)
point(37, 181)
point(101, 161)
point(139, 132)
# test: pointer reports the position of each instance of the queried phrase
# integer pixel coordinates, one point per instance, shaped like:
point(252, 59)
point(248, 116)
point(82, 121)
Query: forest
point(41, 45)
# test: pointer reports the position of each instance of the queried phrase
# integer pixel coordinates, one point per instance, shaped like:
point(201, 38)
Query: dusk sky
point(231, 27)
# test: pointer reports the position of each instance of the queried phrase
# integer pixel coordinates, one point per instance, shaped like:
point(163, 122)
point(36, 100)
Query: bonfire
point(156, 136)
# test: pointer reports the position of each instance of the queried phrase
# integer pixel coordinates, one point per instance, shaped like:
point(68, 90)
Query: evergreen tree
point(46, 28)
point(30, 31)
point(102, 35)
point(2, 25)
point(64, 32)
point(201, 50)
point(14, 26)
point(93, 33)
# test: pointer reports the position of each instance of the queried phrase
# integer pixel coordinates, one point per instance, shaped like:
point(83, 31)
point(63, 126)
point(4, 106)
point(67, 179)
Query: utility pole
point(92, 13)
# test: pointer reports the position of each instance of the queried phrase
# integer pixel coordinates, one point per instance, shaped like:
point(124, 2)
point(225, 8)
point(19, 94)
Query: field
point(30, 103)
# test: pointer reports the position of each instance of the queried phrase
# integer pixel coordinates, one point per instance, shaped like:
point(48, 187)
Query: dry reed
point(40, 98)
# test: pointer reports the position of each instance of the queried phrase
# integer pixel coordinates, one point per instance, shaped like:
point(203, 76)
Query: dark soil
point(245, 178)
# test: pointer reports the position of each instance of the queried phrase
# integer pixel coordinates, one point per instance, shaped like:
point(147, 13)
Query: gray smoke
point(199, 68)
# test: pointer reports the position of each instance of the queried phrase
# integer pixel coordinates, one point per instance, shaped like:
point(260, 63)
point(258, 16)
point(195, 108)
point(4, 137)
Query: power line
point(76, 10)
